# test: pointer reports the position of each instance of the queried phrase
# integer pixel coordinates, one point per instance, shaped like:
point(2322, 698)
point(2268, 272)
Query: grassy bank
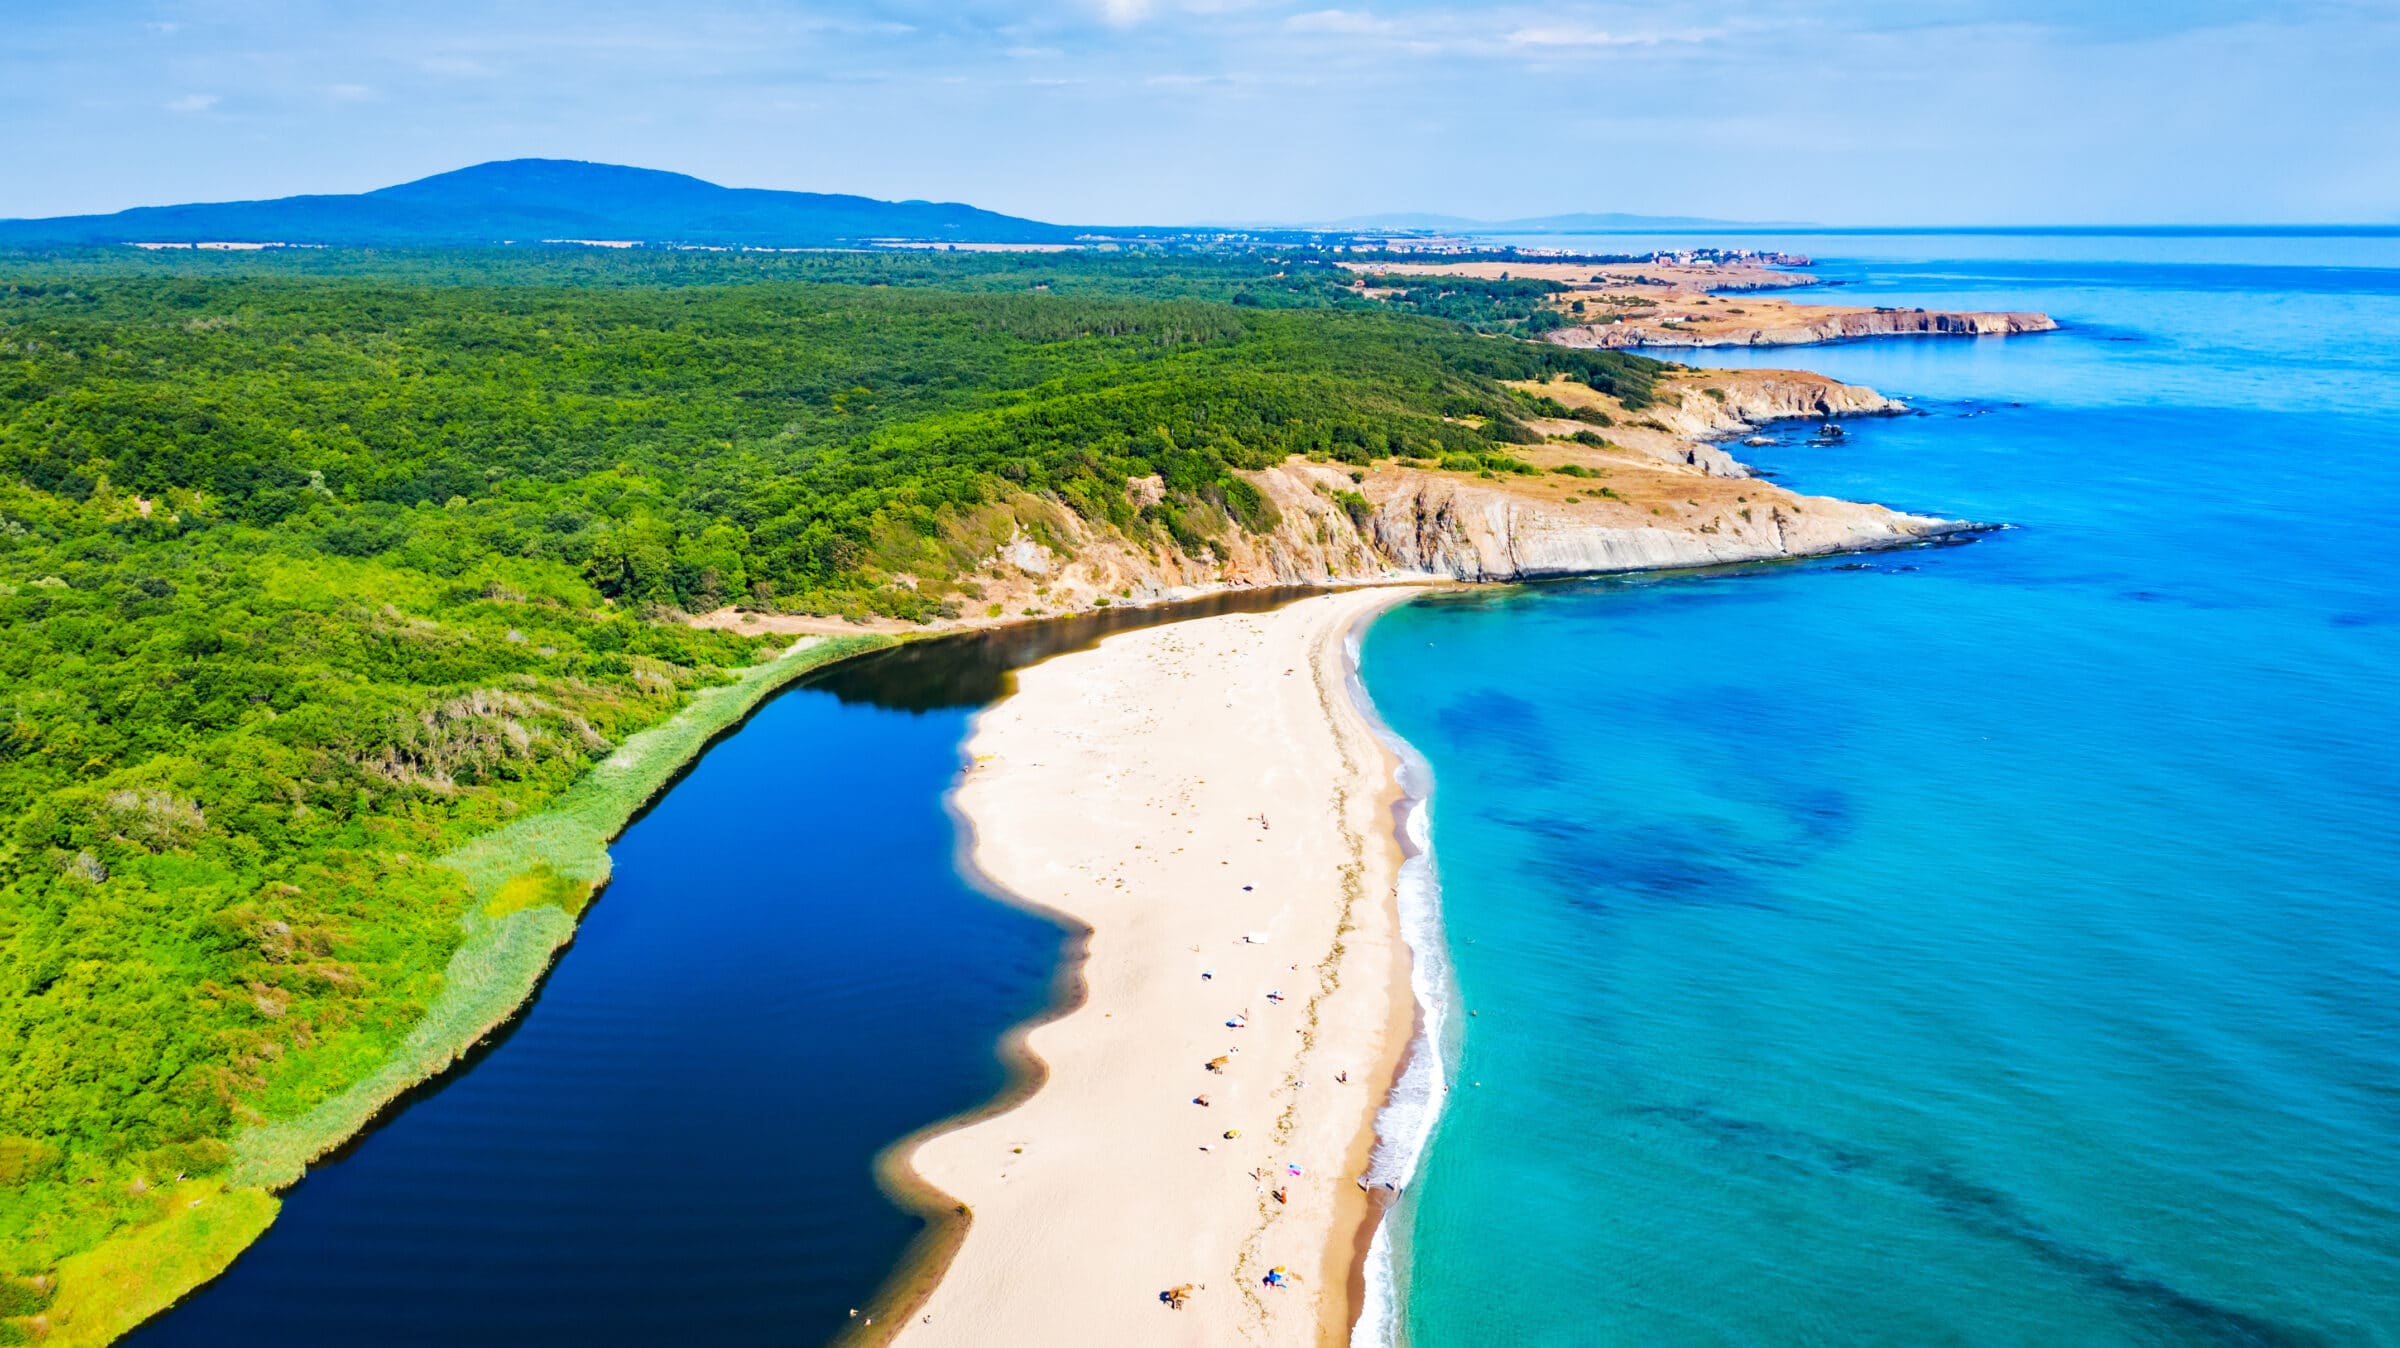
point(107, 1290)
point(531, 881)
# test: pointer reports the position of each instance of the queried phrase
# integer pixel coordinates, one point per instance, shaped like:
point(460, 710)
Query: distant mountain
point(528, 200)
point(1580, 223)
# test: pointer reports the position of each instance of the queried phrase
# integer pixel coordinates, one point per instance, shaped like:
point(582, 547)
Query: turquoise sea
point(1987, 944)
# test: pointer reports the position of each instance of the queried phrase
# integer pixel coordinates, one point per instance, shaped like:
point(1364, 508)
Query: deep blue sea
point(1988, 944)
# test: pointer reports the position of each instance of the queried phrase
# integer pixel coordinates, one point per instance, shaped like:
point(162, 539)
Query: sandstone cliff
point(1773, 323)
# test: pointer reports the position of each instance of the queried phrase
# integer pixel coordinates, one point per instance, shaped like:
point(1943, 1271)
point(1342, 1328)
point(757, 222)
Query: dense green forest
point(313, 566)
point(1293, 278)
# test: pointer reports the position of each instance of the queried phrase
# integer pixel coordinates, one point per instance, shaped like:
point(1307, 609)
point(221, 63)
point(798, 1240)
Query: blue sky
point(1179, 111)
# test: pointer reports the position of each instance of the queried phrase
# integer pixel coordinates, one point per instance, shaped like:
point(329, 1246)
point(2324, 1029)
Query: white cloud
point(1126, 13)
point(1583, 35)
point(192, 103)
point(1346, 21)
point(349, 93)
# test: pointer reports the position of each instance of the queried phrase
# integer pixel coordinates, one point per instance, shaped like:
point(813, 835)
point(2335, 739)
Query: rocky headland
point(1703, 321)
point(1618, 305)
point(1605, 489)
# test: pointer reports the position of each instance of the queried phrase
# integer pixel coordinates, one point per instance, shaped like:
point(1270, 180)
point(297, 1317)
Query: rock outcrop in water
point(1708, 405)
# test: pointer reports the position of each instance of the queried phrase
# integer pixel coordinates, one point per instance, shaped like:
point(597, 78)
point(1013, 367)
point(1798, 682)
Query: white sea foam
point(1404, 1126)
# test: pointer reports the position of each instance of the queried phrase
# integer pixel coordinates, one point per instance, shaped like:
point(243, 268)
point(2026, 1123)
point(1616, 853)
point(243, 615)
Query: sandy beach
point(1207, 799)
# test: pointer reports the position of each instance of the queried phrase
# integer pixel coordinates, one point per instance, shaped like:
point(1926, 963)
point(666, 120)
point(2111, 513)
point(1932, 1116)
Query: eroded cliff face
point(1657, 496)
point(1707, 404)
point(1467, 528)
point(1790, 325)
point(1694, 409)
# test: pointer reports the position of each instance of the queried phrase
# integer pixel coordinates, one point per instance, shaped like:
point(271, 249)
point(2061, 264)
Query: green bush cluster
point(1515, 305)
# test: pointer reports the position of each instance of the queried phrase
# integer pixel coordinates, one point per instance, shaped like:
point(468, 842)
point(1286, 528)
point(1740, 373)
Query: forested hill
point(529, 200)
point(313, 568)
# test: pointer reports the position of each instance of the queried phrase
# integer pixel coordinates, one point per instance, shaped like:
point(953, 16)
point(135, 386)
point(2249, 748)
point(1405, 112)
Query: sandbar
point(1206, 797)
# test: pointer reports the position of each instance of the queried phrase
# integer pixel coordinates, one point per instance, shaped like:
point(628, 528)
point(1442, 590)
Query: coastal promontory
point(1697, 302)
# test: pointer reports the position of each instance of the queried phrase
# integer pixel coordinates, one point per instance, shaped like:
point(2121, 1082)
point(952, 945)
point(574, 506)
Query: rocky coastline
point(1777, 323)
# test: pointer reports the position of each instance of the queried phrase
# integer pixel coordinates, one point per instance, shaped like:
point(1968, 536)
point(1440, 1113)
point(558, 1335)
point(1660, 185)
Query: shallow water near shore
point(1978, 944)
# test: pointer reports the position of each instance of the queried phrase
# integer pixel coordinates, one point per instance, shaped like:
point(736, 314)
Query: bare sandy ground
point(1205, 796)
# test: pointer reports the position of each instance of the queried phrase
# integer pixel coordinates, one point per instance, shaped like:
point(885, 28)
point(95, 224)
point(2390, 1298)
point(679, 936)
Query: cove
point(788, 972)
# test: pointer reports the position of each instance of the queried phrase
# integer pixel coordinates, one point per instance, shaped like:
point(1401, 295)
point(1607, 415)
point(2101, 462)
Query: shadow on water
point(973, 669)
point(1993, 1215)
point(1703, 583)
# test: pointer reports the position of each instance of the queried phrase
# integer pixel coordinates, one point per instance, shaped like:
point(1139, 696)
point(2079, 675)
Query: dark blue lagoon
point(787, 974)
point(1991, 944)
